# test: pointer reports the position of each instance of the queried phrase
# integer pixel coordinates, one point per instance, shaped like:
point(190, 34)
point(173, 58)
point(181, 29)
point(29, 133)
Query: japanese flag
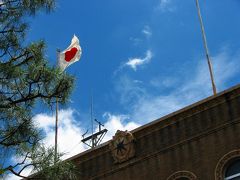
point(70, 55)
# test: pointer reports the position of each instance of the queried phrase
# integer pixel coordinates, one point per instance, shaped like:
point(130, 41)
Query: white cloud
point(147, 31)
point(117, 122)
point(135, 62)
point(69, 132)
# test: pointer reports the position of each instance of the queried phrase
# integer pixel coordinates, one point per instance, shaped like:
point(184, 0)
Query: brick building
point(201, 141)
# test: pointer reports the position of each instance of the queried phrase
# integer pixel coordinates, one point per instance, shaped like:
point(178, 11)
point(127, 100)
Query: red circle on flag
point(69, 55)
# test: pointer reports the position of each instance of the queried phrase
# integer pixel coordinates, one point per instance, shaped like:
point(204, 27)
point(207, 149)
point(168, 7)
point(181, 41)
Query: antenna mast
point(94, 139)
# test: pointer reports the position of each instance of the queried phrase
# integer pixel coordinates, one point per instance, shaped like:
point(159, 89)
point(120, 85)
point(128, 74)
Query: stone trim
point(221, 165)
point(179, 174)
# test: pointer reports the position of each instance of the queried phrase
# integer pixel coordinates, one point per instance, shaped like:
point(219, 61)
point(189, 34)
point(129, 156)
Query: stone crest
point(122, 146)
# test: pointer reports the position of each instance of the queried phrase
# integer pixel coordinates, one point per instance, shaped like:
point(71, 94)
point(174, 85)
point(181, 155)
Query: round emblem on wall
point(122, 146)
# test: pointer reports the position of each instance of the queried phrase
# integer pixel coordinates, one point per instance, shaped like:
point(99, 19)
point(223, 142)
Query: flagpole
point(61, 63)
point(56, 122)
point(206, 49)
point(56, 130)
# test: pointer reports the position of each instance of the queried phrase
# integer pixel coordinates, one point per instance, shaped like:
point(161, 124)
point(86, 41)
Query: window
point(233, 171)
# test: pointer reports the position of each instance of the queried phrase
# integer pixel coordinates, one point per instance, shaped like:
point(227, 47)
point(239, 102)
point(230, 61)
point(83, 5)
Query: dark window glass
point(233, 171)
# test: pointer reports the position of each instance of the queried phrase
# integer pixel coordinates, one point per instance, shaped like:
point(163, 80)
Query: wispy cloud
point(135, 62)
point(130, 88)
point(225, 66)
point(166, 6)
point(160, 82)
point(147, 31)
point(194, 85)
point(135, 41)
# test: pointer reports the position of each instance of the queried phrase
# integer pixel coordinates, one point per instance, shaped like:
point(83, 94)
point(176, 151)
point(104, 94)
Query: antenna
point(99, 124)
point(94, 139)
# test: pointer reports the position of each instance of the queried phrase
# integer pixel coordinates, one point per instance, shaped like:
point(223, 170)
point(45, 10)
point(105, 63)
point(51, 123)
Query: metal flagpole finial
point(206, 49)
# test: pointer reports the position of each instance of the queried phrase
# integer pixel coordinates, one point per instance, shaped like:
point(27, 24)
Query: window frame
point(224, 162)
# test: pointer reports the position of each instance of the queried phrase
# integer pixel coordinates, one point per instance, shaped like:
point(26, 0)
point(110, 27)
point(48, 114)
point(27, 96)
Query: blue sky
point(111, 33)
point(141, 60)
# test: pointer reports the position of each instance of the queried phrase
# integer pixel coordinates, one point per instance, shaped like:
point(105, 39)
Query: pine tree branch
point(11, 134)
point(11, 30)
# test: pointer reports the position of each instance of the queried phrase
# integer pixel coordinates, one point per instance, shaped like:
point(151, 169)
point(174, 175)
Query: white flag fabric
point(70, 55)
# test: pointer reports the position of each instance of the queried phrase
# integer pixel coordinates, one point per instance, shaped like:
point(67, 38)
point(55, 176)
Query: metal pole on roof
point(206, 49)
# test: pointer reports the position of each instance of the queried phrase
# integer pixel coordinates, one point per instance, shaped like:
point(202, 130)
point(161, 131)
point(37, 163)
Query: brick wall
point(192, 139)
